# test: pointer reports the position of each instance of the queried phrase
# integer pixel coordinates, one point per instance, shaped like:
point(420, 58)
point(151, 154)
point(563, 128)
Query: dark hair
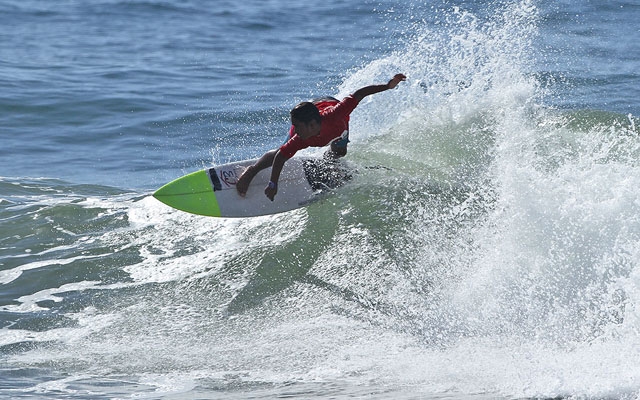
point(306, 112)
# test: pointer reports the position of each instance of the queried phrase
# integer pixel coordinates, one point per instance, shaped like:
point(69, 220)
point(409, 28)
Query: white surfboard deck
point(213, 191)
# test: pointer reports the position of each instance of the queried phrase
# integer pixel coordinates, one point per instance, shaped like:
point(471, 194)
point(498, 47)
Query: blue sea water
point(494, 256)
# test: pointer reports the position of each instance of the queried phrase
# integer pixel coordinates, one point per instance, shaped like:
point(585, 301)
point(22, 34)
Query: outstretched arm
point(373, 89)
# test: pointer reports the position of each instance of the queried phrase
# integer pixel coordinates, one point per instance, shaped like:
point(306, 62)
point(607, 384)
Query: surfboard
point(212, 191)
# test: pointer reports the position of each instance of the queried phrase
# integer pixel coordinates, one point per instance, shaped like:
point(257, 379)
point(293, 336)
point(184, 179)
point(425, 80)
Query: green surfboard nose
point(192, 193)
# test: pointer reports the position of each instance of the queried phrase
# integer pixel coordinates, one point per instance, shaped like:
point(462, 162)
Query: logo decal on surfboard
point(227, 176)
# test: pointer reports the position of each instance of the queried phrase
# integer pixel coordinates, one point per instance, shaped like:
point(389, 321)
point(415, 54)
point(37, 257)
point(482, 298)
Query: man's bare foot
point(245, 179)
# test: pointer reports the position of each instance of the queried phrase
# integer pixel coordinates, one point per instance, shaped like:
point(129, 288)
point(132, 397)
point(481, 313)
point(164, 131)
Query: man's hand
point(271, 190)
point(395, 80)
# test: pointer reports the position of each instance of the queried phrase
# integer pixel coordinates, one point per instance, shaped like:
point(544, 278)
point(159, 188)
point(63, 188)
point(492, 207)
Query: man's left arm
point(373, 89)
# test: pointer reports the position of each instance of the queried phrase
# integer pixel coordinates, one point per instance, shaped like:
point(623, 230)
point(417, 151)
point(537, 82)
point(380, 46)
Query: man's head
point(306, 120)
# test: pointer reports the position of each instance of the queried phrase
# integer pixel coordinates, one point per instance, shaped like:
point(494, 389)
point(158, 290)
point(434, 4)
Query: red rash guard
point(335, 120)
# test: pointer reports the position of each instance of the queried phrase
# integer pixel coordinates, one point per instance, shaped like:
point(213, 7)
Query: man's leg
point(336, 151)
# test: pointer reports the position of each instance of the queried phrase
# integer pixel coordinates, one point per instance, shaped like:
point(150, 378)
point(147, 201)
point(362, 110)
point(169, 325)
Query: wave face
point(488, 246)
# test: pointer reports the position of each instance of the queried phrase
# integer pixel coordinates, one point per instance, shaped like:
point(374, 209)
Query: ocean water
point(495, 254)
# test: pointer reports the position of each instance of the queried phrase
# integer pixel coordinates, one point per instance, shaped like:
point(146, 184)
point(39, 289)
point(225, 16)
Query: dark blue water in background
point(120, 92)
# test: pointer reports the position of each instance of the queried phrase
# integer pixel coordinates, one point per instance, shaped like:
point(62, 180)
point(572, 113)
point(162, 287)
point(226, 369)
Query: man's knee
point(339, 151)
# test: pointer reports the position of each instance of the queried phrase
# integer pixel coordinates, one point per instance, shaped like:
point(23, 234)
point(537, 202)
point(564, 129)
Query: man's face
point(305, 130)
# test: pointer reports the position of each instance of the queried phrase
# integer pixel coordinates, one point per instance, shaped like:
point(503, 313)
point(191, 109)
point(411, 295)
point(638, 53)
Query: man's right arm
point(278, 163)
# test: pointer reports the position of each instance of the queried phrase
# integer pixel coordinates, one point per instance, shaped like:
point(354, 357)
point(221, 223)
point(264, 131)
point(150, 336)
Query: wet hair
point(306, 112)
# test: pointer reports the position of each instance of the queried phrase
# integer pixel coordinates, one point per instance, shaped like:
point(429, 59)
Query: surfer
point(313, 124)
